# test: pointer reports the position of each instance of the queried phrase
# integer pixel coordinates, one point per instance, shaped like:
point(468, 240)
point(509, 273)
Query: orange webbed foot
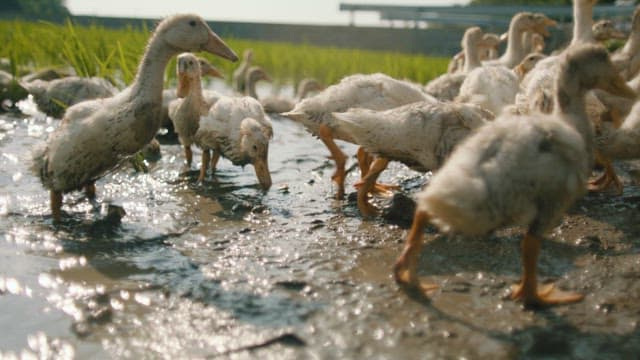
point(545, 295)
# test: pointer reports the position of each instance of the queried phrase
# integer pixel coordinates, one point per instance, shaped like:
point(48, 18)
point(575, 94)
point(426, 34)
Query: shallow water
point(226, 270)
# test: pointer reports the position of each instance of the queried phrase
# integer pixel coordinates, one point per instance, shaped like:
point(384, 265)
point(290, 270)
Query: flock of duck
point(512, 139)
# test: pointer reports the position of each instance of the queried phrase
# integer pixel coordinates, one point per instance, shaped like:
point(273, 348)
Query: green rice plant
point(114, 54)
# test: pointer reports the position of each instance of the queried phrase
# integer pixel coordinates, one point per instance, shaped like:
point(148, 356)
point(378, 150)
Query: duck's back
point(506, 173)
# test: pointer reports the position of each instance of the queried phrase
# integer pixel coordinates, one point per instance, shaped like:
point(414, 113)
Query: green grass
point(114, 54)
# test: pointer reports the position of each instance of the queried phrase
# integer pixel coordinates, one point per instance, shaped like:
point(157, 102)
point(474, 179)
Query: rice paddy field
point(224, 270)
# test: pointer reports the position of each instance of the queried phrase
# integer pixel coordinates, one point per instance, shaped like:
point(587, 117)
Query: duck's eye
point(192, 23)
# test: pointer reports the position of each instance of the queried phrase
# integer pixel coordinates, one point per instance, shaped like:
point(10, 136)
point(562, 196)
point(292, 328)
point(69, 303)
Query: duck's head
point(187, 69)
point(528, 63)
point(536, 23)
point(255, 74)
point(254, 145)
point(189, 32)
point(472, 35)
point(307, 86)
point(591, 66)
point(207, 69)
point(604, 30)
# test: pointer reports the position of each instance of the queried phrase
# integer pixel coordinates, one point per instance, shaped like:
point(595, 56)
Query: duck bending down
point(238, 129)
point(484, 185)
point(185, 111)
point(55, 96)
point(447, 86)
point(280, 104)
point(420, 135)
point(88, 144)
point(373, 91)
point(170, 95)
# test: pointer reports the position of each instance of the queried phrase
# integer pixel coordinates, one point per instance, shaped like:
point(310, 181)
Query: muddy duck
point(240, 73)
point(523, 170)
point(185, 111)
point(93, 140)
point(280, 104)
point(420, 135)
point(371, 91)
point(237, 129)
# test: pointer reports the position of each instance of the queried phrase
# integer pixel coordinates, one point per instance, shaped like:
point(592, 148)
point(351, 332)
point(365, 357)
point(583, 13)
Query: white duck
point(90, 143)
point(53, 97)
point(280, 104)
point(374, 91)
point(604, 30)
point(185, 111)
point(518, 171)
point(421, 135)
point(240, 74)
point(447, 86)
point(169, 95)
point(488, 50)
point(238, 129)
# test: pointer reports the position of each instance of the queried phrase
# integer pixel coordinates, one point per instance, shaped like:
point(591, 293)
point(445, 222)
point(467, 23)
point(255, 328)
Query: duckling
point(279, 104)
point(185, 111)
point(373, 91)
point(88, 144)
point(240, 74)
point(238, 129)
point(421, 135)
point(484, 185)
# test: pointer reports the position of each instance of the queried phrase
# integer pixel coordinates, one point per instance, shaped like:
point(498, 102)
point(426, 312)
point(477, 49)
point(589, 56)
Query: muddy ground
point(224, 270)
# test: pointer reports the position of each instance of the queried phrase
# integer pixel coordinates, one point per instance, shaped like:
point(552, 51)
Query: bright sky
point(278, 11)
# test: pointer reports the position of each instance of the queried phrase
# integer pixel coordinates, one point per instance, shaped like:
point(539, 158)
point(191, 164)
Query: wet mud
point(225, 270)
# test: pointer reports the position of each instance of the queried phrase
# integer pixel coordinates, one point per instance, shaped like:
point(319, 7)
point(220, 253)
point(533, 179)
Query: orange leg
point(405, 270)
point(368, 182)
point(608, 178)
point(214, 160)
point(364, 162)
point(90, 191)
point(206, 156)
point(188, 154)
point(326, 135)
point(527, 290)
point(56, 205)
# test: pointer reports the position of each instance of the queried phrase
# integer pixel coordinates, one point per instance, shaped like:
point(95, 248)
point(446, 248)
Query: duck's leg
point(90, 190)
point(607, 178)
point(527, 290)
point(326, 135)
point(405, 270)
point(368, 182)
point(206, 157)
point(188, 154)
point(214, 160)
point(56, 205)
point(364, 162)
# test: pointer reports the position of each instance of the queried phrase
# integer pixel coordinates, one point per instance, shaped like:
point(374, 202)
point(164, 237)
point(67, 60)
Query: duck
point(186, 110)
point(55, 96)
point(521, 23)
point(280, 104)
point(604, 30)
point(240, 74)
point(528, 63)
point(252, 76)
point(627, 59)
point(484, 186)
point(238, 129)
point(96, 135)
point(371, 91)
point(421, 135)
point(447, 86)
point(170, 95)
point(488, 50)
point(532, 42)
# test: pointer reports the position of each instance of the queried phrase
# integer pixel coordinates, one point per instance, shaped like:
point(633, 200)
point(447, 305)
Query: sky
point(274, 11)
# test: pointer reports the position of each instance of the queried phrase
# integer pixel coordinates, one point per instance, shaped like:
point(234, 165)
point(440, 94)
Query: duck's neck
point(150, 77)
point(471, 56)
point(570, 105)
point(251, 88)
point(515, 50)
point(632, 45)
point(195, 95)
point(582, 22)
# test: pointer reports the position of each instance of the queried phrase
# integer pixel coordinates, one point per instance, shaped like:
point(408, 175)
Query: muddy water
point(225, 270)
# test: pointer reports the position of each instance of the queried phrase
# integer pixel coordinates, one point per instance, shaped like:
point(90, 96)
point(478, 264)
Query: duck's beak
point(261, 166)
point(216, 46)
point(215, 73)
point(183, 85)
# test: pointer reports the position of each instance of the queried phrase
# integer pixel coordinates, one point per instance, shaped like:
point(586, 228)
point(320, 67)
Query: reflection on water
point(225, 269)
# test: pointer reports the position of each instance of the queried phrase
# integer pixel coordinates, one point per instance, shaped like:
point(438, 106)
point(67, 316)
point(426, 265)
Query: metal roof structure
point(476, 15)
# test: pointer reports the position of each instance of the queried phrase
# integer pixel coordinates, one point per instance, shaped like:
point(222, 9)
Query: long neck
point(195, 95)
point(471, 56)
point(150, 77)
point(570, 105)
point(515, 51)
point(582, 22)
point(633, 44)
point(251, 88)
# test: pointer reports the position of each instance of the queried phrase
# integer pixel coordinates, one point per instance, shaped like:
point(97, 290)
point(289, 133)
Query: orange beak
point(216, 46)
